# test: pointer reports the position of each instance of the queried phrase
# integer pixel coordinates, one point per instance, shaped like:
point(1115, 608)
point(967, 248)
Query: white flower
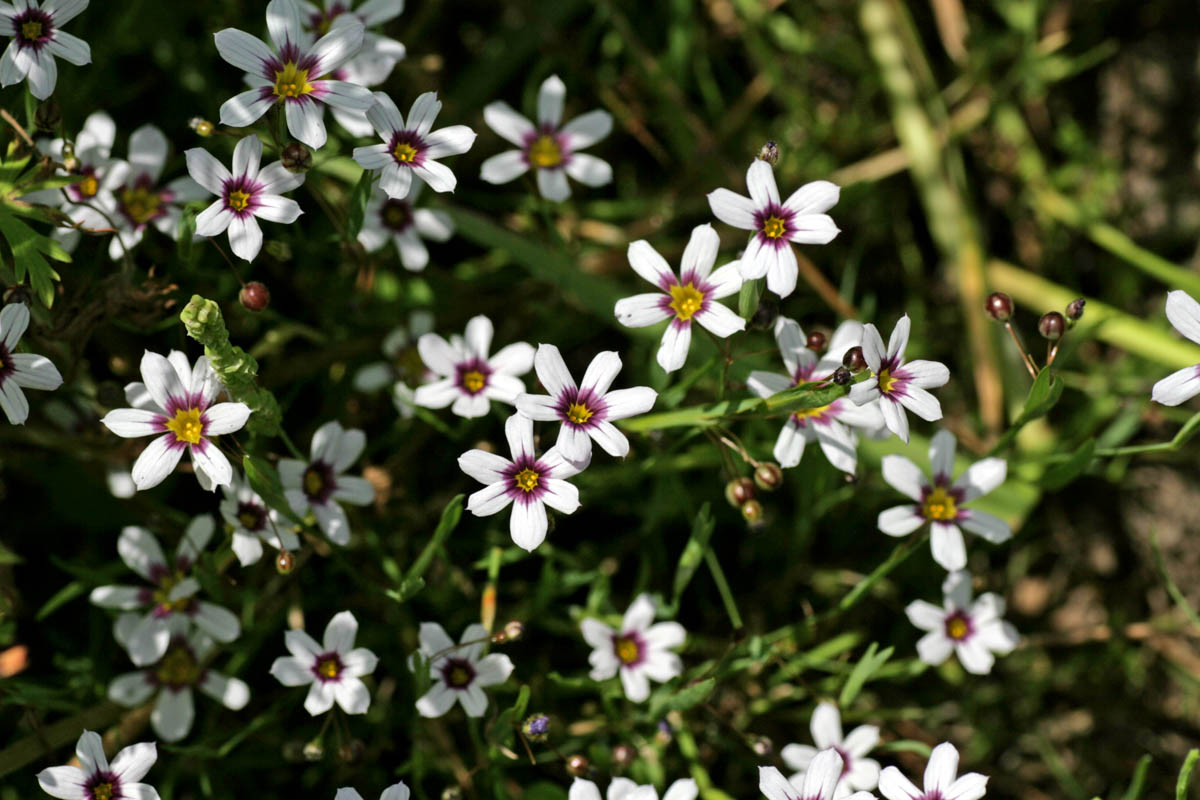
point(37, 38)
point(625, 789)
point(92, 149)
point(399, 343)
point(459, 672)
point(400, 221)
point(467, 377)
point(586, 411)
point(684, 299)
point(170, 603)
point(776, 225)
point(941, 503)
point(177, 404)
point(528, 482)
point(173, 678)
point(293, 73)
point(898, 385)
point(410, 148)
point(1183, 385)
point(253, 523)
point(821, 781)
point(397, 791)
point(858, 773)
point(21, 370)
point(640, 650)
point(333, 669)
point(549, 147)
point(372, 64)
point(319, 485)
point(941, 782)
point(826, 425)
point(95, 777)
point(973, 631)
point(243, 194)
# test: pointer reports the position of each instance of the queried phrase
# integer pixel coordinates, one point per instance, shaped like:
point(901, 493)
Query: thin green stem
point(718, 575)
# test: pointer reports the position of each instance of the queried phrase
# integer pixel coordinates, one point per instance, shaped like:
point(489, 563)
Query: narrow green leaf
point(1185, 774)
point(265, 480)
point(693, 553)
point(1139, 779)
point(1060, 475)
point(358, 204)
point(748, 298)
point(665, 700)
point(413, 582)
point(28, 247)
point(807, 395)
point(862, 672)
point(61, 598)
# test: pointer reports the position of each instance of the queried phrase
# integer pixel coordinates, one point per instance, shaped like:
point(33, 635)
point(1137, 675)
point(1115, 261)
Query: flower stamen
point(686, 301)
point(579, 413)
point(774, 227)
point(526, 480)
point(292, 82)
point(545, 153)
point(405, 153)
point(628, 650)
point(187, 426)
point(940, 505)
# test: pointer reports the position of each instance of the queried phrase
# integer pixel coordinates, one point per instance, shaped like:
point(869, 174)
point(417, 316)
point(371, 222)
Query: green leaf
point(265, 480)
point(1185, 774)
point(1139, 779)
point(748, 298)
point(862, 672)
point(358, 205)
point(29, 249)
point(61, 598)
point(665, 700)
point(1060, 475)
point(413, 582)
point(693, 553)
point(807, 395)
point(1043, 395)
point(185, 244)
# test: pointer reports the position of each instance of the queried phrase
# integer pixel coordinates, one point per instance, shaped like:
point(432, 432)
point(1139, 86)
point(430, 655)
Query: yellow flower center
point(248, 519)
point(88, 186)
point(458, 676)
point(405, 153)
point(686, 301)
point(177, 668)
point(396, 215)
point(292, 81)
point(31, 29)
point(527, 480)
point(773, 227)
point(886, 381)
point(1, 363)
point(187, 426)
point(956, 628)
point(473, 381)
point(329, 668)
point(313, 482)
point(628, 650)
point(102, 791)
point(545, 152)
point(238, 200)
point(142, 205)
point(161, 596)
point(579, 413)
point(940, 505)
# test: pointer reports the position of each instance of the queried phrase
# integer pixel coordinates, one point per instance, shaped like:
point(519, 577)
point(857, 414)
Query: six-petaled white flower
point(319, 484)
point(334, 668)
point(528, 482)
point(169, 603)
point(640, 649)
point(253, 523)
point(858, 773)
point(21, 370)
point(820, 782)
point(940, 502)
point(460, 672)
point(625, 789)
point(942, 781)
point(177, 404)
point(411, 147)
point(174, 677)
point(827, 425)
point(397, 791)
point(776, 225)
point(293, 73)
point(97, 779)
point(549, 147)
point(243, 195)
point(972, 631)
point(689, 297)
point(898, 385)
point(1180, 386)
point(400, 221)
point(587, 410)
point(37, 38)
point(467, 378)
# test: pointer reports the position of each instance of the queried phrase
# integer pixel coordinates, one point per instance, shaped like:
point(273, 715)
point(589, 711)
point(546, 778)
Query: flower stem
point(718, 574)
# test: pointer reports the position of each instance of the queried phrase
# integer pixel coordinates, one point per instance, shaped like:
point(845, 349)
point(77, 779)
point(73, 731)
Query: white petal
point(988, 526)
point(550, 102)
point(934, 647)
point(1184, 313)
point(586, 129)
point(552, 184)
point(672, 352)
point(903, 475)
point(760, 181)
point(826, 726)
point(504, 167)
point(813, 198)
point(245, 237)
point(156, 462)
point(946, 542)
point(506, 122)
point(589, 170)
point(1178, 387)
point(173, 714)
point(733, 209)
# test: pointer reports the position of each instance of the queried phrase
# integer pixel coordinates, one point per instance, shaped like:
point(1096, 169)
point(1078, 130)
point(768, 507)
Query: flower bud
point(536, 728)
point(623, 756)
point(817, 342)
point(1075, 309)
point(296, 158)
point(752, 512)
point(769, 153)
point(578, 765)
point(1052, 325)
point(514, 630)
point(999, 306)
point(765, 315)
point(853, 360)
point(313, 751)
point(768, 476)
point(201, 126)
point(48, 116)
point(255, 296)
point(738, 491)
point(763, 746)
point(285, 562)
point(842, 376)
point(452, 793)
point(352, 751)
point(18, 294)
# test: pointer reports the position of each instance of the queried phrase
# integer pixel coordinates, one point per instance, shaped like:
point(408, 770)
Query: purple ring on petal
point(33, 28)
point(774, 225)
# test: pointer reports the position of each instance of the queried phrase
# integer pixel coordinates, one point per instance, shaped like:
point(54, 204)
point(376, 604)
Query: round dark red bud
point(285, 562)
point(817, 342)
point(623, 755)
point(296, 158)
point(769, 152)
point(768, 476)
point(1052, 325)
point(842, 376)
point(738, 491)
point(255, 296)
point(752, 512)
point(578, 765)
point(999, 306)
point(853, 359)
point(1075, 309)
